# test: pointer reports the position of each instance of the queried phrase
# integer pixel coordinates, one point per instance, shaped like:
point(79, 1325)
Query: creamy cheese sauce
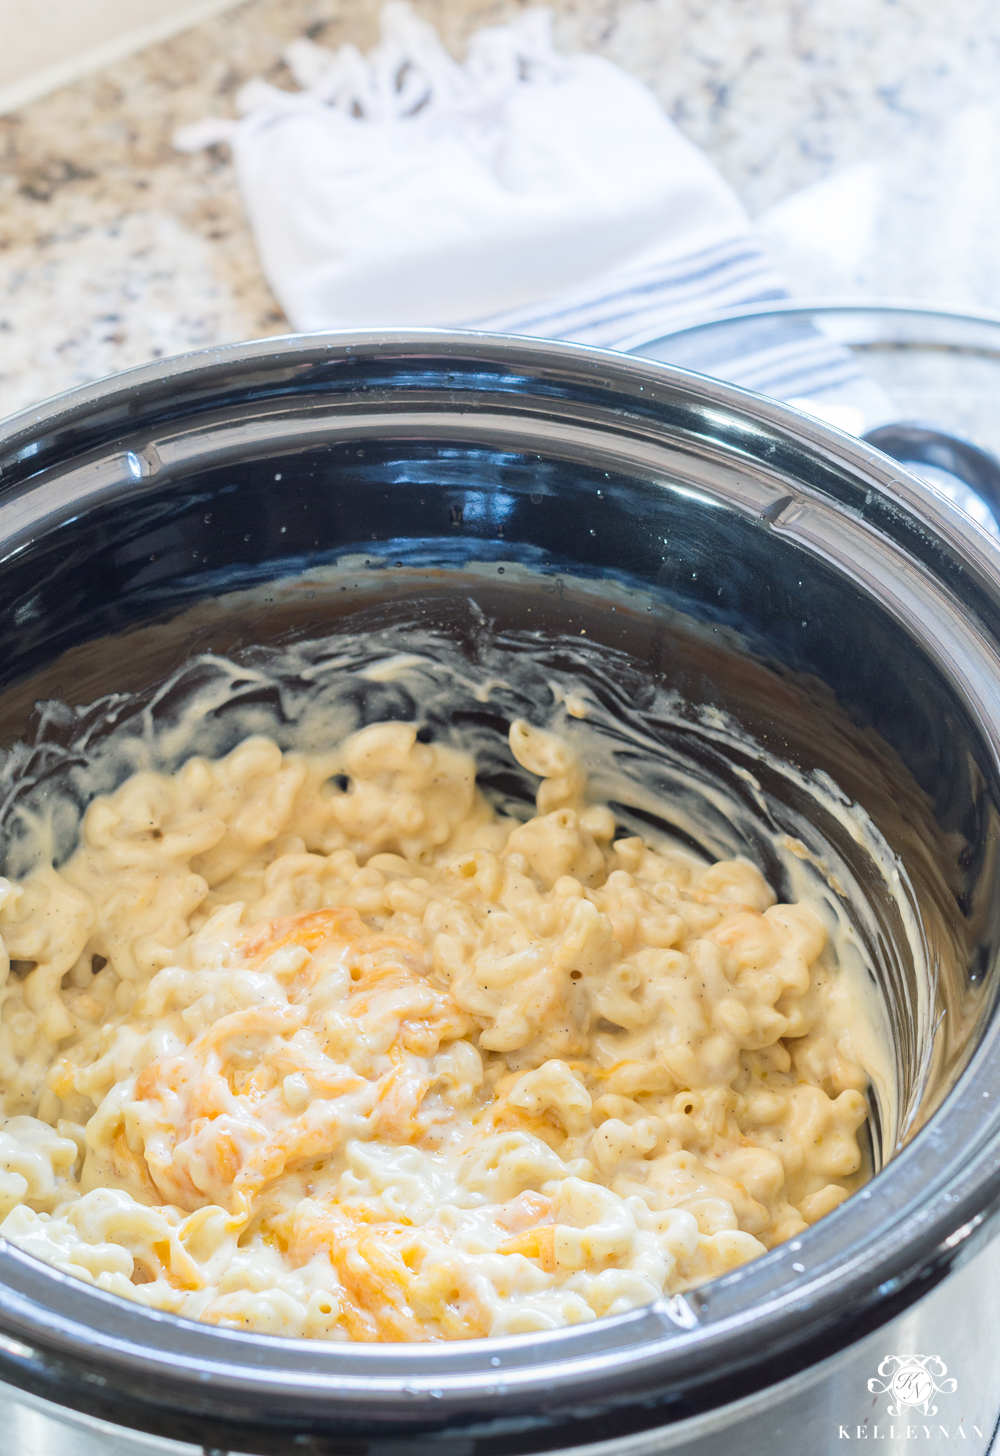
point(319, 1043)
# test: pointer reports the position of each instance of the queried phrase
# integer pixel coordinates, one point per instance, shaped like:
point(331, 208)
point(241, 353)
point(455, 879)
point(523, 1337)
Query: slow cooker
point(774, 574)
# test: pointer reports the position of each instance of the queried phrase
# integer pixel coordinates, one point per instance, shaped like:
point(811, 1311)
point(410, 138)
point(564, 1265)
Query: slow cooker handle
point(913, 443)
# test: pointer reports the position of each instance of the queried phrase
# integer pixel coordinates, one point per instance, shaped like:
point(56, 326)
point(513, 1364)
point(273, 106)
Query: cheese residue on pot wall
point(321, 1044)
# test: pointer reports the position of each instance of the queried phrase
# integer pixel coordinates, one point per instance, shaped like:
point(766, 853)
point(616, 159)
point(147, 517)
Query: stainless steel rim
point(980, 325)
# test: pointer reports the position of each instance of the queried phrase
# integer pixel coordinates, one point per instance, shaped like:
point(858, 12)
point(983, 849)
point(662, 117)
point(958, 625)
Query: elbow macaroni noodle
point(320, 1045)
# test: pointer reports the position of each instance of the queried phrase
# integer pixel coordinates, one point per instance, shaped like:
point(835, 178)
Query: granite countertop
point(115, 249)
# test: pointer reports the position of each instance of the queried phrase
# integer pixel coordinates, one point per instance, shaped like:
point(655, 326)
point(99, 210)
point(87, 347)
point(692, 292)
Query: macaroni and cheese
point(322, 1045)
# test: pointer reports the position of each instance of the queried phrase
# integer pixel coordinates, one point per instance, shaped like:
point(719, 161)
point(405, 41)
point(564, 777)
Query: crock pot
point(770, 570)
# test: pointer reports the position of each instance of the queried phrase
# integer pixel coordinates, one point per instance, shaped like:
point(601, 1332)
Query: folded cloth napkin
point(520, 191)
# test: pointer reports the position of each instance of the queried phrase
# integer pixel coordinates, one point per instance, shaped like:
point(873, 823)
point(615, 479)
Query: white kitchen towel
point(520, 191)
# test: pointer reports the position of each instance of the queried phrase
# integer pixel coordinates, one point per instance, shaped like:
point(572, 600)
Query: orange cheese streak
point(374, 1277)
point(536, 1243)
point(203, 1105)
point(309, 930)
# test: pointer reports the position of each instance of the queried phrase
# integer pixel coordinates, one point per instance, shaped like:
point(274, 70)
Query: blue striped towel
point(670, 294)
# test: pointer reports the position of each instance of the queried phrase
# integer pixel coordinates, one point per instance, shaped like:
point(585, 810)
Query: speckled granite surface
point(115, 249)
